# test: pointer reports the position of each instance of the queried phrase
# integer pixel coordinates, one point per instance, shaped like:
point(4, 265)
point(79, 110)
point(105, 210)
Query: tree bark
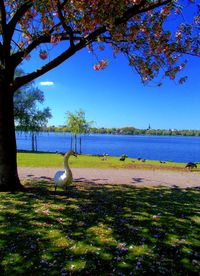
point(9, 180)
point(33, 141)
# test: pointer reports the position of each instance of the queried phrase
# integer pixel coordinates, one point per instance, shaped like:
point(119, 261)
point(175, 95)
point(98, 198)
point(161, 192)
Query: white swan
point(64, 178)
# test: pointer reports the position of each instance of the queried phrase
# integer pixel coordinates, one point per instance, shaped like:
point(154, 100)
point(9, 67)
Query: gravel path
point(119, 176)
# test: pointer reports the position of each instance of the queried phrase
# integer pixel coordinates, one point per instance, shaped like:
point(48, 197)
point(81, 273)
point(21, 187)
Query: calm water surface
point(173, 148)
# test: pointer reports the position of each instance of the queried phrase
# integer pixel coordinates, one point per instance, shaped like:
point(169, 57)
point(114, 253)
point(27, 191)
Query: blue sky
point(115, 97)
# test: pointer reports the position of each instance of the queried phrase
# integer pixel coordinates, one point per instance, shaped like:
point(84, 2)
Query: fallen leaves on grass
point(99, 229)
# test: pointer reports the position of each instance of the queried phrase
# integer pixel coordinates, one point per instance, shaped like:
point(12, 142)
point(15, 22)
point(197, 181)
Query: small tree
point(27, 115)
point(77, 125)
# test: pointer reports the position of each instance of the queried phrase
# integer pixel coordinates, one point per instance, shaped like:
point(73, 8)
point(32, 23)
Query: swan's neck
point(66, 158)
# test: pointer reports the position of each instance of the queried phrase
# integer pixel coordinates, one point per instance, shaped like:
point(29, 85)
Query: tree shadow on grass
point(99, 230)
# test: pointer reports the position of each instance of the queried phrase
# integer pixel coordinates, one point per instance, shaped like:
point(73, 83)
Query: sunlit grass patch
point(12, 258)
point(82, 247)
point(195, 219)
point(139, 250)
point(75, 265)
point(56, 237)
point(34, 159)
point(173, 239)
point(99, 230)
point(102, 234)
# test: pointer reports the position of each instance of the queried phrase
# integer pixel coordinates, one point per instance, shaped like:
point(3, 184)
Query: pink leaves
point(43, 54)
point(136, 2)
point(55, 39)
point(165, 11)
point(95, 23)
point(101, 65)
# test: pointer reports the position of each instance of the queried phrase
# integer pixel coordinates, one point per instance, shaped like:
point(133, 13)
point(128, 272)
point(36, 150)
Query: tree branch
point(3, 16)
point(20, 81)
point(68, 29)
point(136, 9)
point(17, 16)
point(159, 4)
point(1, 50)
point(18, 57)
point(126, 16)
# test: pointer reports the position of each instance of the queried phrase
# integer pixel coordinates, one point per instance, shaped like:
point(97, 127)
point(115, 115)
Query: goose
point(122, 158)
point(191, 166)
point(64, 178)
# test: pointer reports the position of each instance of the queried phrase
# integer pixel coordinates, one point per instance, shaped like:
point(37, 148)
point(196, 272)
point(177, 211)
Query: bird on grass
point(191, 166)
point(64, 178)
point(123, 157)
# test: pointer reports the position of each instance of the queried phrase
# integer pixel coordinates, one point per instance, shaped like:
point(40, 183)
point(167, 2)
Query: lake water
point(165, 148)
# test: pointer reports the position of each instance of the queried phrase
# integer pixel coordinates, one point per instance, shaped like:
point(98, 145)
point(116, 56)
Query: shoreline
point(180, 149)
point(102, 155)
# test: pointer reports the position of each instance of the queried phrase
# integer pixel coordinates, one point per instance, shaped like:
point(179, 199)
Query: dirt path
point(136, 177)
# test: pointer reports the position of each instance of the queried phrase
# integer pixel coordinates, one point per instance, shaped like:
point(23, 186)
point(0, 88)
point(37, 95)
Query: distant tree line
point(128, 131)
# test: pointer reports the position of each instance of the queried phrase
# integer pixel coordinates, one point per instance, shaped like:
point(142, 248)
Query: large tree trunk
point(9, 180)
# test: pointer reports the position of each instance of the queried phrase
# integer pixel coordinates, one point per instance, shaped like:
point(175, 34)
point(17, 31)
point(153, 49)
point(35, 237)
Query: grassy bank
point(26, 159)
point(99, 230)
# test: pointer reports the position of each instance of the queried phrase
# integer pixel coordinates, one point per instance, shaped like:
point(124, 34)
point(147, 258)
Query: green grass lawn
point(99, 230)
point(26, 159)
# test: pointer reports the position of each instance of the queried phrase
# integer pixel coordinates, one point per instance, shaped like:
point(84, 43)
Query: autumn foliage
point(152, 34)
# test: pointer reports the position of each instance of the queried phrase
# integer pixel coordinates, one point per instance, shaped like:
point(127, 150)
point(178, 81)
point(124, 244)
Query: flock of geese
point(64, 178)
